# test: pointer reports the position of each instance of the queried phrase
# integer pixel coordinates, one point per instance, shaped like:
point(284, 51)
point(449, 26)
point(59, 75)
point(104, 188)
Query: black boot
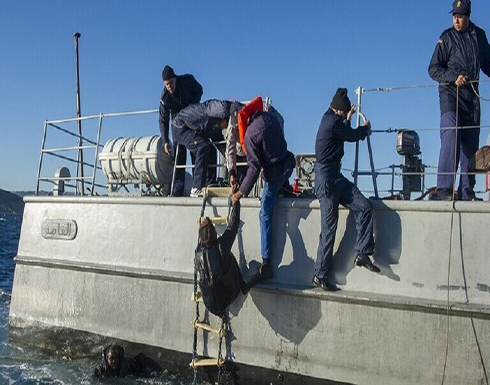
point(365, 261)
point(265, 270)
point(324, 284)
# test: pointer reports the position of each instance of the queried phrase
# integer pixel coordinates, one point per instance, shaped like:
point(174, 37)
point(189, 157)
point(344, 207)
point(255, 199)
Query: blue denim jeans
point(269, 197)
point(333, 189)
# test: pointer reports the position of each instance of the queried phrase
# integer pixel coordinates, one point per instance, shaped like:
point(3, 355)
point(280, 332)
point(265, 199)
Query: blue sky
point(297, 53)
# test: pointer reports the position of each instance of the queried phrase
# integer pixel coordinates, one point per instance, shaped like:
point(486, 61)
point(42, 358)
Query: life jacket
point(245, 113)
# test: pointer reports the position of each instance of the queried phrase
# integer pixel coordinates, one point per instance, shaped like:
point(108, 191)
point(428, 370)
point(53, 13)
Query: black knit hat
point(340, 100)
point(168, 73)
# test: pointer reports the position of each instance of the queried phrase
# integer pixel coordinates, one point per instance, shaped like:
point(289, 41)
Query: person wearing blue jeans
point(269, 198)
point(266, 150)
point(333, 189)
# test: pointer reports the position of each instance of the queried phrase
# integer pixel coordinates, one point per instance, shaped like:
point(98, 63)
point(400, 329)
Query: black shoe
point(265, 271)
point(443, 194)
point(324, 284)
point(365, 261)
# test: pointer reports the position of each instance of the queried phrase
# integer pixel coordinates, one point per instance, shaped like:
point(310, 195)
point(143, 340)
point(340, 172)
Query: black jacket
point(332, 133)
point(219, 273)
point(460, 53)
point(187, 91)
point(140, 365)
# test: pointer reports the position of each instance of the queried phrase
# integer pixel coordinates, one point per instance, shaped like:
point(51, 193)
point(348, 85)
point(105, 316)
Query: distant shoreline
point(11, 202)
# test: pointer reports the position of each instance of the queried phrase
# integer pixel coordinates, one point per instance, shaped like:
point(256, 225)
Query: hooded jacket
point(266, 149)
point(460, 53)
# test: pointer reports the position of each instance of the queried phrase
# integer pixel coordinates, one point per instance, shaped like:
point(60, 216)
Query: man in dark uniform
point(266, 150)
point(460, 53)
point(179, 92)
point(196, 127)
point(332, 189)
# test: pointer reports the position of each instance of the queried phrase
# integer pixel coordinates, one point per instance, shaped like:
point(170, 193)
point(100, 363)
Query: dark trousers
point(203, 152)
point(457, 147)
point(180, 153)
point(333, 189)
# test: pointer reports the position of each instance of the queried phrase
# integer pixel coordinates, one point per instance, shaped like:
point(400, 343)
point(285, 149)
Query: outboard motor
point(408, 146)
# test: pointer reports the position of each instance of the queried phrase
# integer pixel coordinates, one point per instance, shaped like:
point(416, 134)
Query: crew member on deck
point(332, 189)
point(459, 54)
point(178, 93)
point(195, 127)
point(266, 150)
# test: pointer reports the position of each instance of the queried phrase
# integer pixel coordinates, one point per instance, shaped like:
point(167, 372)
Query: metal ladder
point(208, 192)
point(218, 164)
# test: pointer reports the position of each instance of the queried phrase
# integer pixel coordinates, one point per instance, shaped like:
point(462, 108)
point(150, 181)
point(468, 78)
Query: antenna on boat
point(76, 36)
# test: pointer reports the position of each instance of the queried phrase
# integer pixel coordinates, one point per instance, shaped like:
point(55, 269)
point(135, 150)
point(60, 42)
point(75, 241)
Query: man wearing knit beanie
point(178, 93)
point(332, 189)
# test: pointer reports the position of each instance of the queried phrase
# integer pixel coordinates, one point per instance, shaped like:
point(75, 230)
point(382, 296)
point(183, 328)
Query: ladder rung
point(196, 297)
point(218, 192)
point(207, 362)
point(220, 332)
point(215, 220)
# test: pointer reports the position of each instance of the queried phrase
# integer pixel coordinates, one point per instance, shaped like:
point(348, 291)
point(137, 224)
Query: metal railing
point(373, 173)
point(93, 144)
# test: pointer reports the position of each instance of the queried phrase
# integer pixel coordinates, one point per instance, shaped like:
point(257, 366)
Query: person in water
point(115, 364)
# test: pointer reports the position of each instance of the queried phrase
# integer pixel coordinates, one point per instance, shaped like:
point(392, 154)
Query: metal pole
point(392, 179)
point(76, 36)
point(96, 158)
point(41, 157)
point(359, 92)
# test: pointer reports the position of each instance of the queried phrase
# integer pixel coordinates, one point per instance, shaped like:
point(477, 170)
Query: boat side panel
point(302, 334)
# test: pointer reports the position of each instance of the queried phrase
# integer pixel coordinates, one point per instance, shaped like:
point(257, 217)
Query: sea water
point(26, 366)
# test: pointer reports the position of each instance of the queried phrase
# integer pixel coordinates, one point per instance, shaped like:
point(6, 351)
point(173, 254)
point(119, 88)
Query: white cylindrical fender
point(130, 160)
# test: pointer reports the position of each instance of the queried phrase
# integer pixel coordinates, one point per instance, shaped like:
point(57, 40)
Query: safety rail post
point(392, 179)
point(96, 156)
point(41, 156)
point(76, 36)
point(359, 92)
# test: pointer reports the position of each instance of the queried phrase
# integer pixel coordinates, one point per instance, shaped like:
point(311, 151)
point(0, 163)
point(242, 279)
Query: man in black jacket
point(220, 278)
point(332, 189)
point(178, 93)
point(460, 53)
point(115, 364)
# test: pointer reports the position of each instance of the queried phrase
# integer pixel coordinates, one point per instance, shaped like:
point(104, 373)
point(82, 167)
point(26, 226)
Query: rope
point(196, 318)
point(220, 342)
point(456, 141)
point(478, 95)
point(397, 88)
